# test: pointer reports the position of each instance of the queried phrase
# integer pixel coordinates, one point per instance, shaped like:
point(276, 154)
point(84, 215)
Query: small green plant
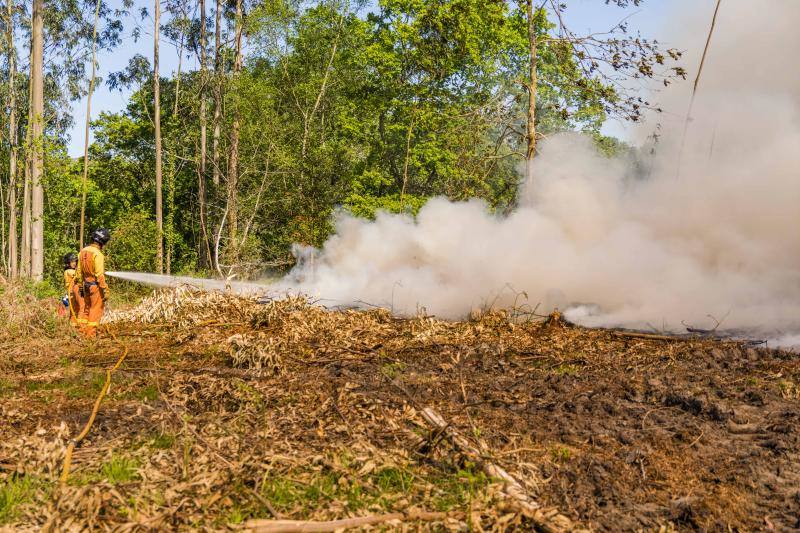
point(457, 489)
point(6, 387)
point(148, 393)
point(566, 369)
point(41, 289)
point(86, 388)
point(393, 480)
point(789, 389)
point(236, 516)
point(162, 441)
point(560, 454)
point(119, 470)
point(251, 395)
point(15, 492)
point(392, 370)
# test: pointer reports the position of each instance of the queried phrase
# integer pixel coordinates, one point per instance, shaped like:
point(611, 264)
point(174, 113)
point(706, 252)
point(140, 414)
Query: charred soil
point(290, 411)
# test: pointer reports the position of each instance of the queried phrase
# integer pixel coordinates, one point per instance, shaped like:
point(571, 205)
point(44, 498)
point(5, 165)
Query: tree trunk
point(3, 225)
point(157, 122)
point(204, 250)
point(25, 245)
point(25, 248)
point(12, 141)
point(217, 92)
point(37, 161)
point(233, 166)
point(531, 130)
point(178, 75)
point(88, 122)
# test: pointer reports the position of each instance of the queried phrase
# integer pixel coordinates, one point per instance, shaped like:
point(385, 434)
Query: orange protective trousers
point(75, 304)
point(91, 310)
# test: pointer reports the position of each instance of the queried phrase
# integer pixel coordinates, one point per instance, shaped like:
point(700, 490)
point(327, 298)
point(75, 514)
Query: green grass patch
point(6, 387)
point(392, 370)
point(236, 516)
point(14, 493)
point(393, 480)
point(456, 489)
point(290, 494)
point(560, 454)
point(565, 369)
point(119, 470)
point(251, 395)
point(162, 441)
point(75, 388)
point(146, 393)
point(86, 388)
point(298, 493)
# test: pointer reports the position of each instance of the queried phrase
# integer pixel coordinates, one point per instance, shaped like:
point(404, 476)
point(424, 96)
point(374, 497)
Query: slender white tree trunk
point(88, 122)
point(204, 248)
point(37, 161)
point(157, 121)
point(217, 93)
point(530, 152)
point(12, 140)
point(233, 166)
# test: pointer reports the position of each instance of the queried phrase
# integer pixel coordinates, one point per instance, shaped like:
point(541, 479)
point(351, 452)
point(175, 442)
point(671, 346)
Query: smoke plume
point(604, 244)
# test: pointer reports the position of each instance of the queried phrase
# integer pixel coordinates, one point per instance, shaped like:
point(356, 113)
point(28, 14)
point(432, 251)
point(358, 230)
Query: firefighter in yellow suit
point(90, 278)
point(73, 298)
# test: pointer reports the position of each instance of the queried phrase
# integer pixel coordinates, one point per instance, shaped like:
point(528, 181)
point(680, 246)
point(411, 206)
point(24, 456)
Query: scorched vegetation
point(286, 411)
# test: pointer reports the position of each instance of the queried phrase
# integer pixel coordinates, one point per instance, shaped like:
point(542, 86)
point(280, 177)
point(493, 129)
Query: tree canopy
point(336, 106)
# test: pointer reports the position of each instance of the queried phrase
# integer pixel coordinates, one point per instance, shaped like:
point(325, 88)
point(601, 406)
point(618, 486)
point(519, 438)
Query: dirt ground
point(226, 411)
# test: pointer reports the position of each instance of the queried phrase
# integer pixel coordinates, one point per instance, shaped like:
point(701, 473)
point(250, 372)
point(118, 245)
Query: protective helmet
point(69, 259)
point(101, 236)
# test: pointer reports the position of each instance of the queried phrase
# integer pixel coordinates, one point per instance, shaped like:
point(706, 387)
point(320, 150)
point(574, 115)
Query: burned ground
point(292, 411)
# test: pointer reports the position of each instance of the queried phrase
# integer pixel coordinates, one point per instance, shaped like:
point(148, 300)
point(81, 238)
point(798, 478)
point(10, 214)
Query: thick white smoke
point(723, 239)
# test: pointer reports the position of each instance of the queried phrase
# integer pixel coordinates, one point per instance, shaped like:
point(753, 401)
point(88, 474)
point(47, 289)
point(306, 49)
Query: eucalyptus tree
point(595, 66)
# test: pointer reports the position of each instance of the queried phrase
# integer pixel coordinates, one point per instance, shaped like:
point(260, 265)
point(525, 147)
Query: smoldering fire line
point(612, 245)
point(607, 244)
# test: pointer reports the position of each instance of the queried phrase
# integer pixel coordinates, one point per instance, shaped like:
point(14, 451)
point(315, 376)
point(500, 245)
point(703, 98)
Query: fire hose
point(74, 442)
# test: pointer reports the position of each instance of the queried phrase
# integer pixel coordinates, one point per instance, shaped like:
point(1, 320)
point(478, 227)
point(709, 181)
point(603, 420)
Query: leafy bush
point(29, 310)
point(132, 245)
point(366, 206)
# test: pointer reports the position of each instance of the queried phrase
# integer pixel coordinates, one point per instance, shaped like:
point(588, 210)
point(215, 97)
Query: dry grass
point(228, 410)
point(24, 314)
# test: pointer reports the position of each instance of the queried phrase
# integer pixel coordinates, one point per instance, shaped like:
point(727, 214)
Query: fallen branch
point(650, 336)
point(308, 526)
point(547, 521)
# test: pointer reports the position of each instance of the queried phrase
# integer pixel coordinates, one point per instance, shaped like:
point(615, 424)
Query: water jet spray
point(203, 284)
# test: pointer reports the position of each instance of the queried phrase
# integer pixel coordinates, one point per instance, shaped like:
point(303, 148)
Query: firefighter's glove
point(105, 293)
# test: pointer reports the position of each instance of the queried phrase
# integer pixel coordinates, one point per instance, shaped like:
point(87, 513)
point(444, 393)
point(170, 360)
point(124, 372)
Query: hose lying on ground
point(74, 442)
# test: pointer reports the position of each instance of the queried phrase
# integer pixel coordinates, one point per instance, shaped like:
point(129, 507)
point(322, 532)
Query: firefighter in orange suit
point(72, 301)
point(90, 278)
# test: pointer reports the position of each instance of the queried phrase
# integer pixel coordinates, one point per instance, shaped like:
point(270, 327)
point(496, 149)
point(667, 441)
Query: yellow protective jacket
point(91, 267)
point(69, 276)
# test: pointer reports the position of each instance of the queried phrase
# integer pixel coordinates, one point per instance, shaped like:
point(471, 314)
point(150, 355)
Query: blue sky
point(583, 16)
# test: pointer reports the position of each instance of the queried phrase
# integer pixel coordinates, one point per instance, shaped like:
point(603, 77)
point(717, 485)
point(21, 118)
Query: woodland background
point(298, 110)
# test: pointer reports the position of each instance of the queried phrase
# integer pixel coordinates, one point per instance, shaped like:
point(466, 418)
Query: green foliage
point(455, 490)
point(131, 246)
point(42, 289)
point(367, 206)
point(119, 469)
point(162, 441)
point(15, 492)
point(560, 454)
point(339, 110)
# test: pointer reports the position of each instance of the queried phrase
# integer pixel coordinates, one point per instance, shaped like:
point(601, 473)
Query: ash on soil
point(224, 404)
